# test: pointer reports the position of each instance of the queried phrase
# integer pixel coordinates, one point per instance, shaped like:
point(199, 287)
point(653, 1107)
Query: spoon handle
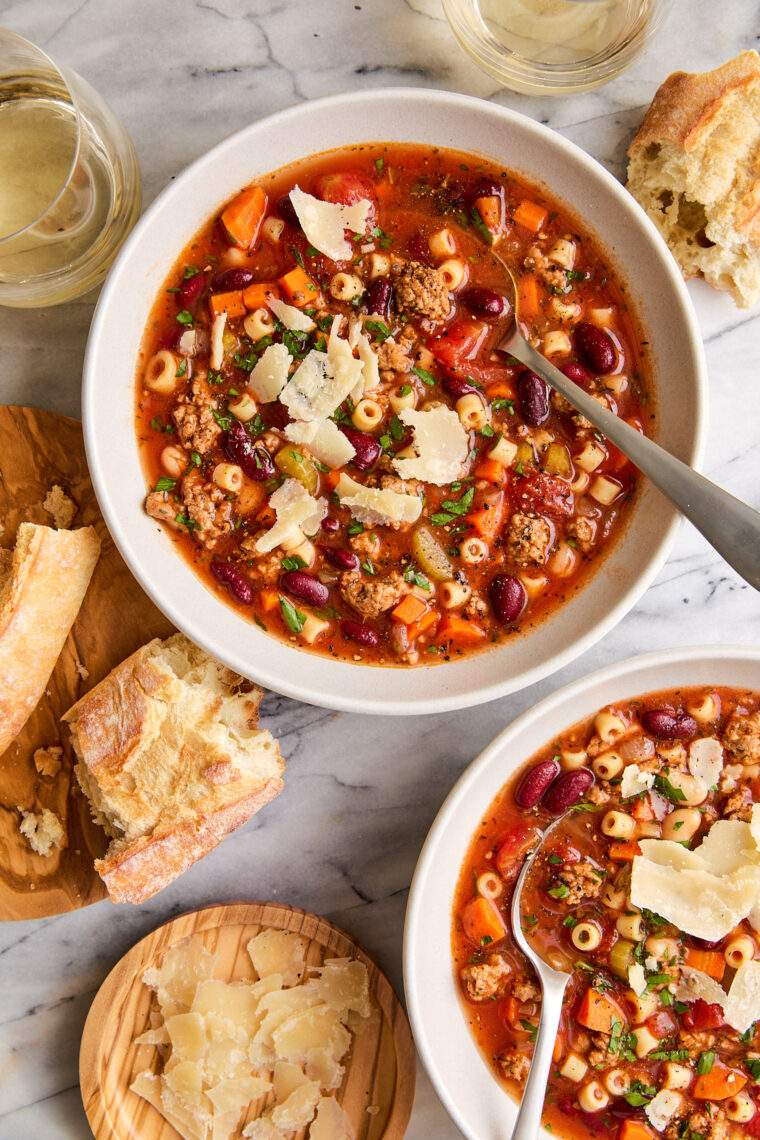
point(528, 1123)
point(730, 526)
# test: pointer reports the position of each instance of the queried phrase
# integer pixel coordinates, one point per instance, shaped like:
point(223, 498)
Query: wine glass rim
point(8, 37)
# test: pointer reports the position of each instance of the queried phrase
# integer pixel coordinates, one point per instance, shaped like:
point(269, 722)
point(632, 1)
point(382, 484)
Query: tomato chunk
point(516, 845)
point(702, 1015)
point(461, 341)
point(543, 494)
point(344, 187)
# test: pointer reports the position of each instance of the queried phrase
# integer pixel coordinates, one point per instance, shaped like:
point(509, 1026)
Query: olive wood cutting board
point(37, 450)
point(380, 1067)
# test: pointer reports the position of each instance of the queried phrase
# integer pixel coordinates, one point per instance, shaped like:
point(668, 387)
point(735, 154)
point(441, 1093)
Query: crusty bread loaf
point(42, 586)
point(171, 760)
point(695, 168)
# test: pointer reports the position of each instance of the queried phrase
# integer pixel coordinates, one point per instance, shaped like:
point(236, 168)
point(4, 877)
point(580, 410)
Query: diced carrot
point(229, 303)
point(500, 388)
point(597, 1012)
point(332, 478)
point(299, 287)
point(258, 295)
point(243, 217)
point(624, 852)
point(266, 516)
point(642, 811)
point(529, 296)
point(719, 1084)
point(635, 1130)
point(492, 471)
point(558, 1049)
point(482, 922)
point(430, 617)
point(269, 600)
point(530, 215)
point(486, 521)
point(459, 630)
point(490, 210)
point(710, 962)
point(509, 1010)
point(409, 609)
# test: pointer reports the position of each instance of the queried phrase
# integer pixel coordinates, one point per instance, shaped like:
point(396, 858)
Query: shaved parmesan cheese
point(322, 1068)
point(344, 986)
point(372, 506)
point(662, 1108)
point(270, 373)
point(324, 439)
point(262, 1129)
point(358, 339)
point(704, 892)
point(637, 979)
point(187, 1034)
point(296, 509)
point(175, 981)
point(234, 1096)
point(694, 985)
point(347, 370)
point(299, 1108)
point(315, 1028)
point(324, 222)
point(278, 951)
point(217, 341)
point(706, 760)
point(331, 1122)
point(743, 1003)
point(290, 316)
point(441, 443)
point(634, 781)
point(660, 805)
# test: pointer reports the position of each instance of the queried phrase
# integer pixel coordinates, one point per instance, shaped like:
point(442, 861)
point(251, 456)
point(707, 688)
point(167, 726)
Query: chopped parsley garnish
point(187, 522)
point(561, 891)
point(487, 431)
point(380, 329)
point(616, 1028)
point(379, 164)
point(259, 622)
point(296, 343)
point(223, 420)
point(486, 940)
point(405, 390)
point(555, 859)
point(753, 1064)
point(195, 459)
point(412, 574)
point(425, 376)
point(367, 566)
point(297, 255)
point(451, 508)
point(294, 562)
point(312, 251)
point(664, 787)
point(640, 1094)
point(396, 428)
point(165, 484)
point(354, 528)
point(529, 1028)
point(293, 617)
point(191, 271)
point(501, 402)
point(185, 317)
point(570, 921)
point(182, 370)
point(705, 1062)
point(480, 225)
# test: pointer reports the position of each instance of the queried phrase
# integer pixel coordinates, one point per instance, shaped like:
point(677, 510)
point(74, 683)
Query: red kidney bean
point(508, 597)
point(237, 278)
point(665, 724)
point(368, 449)
point(306, 586)
point(419, 250)
point(331, 524)
point(287, 211)
point(237, 585)
point(275, 415)
point(340, 557)
point(533, 396)
point(240, 448)
point(567, 790)
point(379, 297)
point(576, 372)
point(484, 301)
point(364, 634)
point(190, 290)
point(457, 386)
point(595, 347)
point(535, 782)
point(484, 188)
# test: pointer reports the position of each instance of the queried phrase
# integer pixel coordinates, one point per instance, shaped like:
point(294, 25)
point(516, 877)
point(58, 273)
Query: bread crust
point(135, 872)
point(39, 601)
point(685, 105)
point(171, 759)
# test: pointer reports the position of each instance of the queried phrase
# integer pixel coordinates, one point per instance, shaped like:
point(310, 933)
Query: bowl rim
point(314, 691)
point(618, 672)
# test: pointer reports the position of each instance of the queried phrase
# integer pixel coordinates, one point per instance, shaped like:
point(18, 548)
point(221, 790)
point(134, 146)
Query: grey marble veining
point(361, 792)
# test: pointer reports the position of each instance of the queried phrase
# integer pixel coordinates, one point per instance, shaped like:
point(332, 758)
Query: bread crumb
point(373, 1109)
point(82, 671)
point(47, 761)
point(60, 507)
point(42, 830)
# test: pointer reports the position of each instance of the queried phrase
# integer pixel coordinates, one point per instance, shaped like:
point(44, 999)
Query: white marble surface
point(361, 793)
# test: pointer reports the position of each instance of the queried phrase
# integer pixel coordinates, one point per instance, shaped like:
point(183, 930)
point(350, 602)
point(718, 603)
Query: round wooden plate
point(380, 1068)
point(37, 450)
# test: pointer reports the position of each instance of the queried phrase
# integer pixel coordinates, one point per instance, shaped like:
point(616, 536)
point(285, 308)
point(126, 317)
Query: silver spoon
point(729, 525)
point(553, 985)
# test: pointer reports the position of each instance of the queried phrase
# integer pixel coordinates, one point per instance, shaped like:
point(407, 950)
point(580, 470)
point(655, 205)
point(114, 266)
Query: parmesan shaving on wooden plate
point(270, 1049)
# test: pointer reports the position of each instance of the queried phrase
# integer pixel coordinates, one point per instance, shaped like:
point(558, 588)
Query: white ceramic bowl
point(480, 1107)
point(433, 117)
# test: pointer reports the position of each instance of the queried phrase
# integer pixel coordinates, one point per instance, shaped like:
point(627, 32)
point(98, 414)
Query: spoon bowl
point(729, 525)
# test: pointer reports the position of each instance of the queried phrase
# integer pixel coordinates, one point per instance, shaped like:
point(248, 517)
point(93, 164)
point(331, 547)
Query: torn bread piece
point(695, 168)
point(41, 592)
point(42, 830)
point(171, 761)
point(60, 506)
